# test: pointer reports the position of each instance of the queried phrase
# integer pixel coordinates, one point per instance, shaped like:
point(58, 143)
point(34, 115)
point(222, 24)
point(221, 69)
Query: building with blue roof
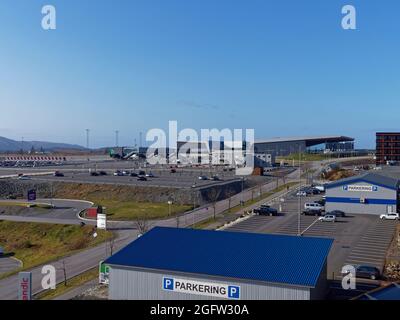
point(172, 263)
point(369, 193)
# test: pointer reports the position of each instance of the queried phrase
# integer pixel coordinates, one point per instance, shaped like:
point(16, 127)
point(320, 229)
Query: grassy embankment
point(38, 243)
point(119, 201)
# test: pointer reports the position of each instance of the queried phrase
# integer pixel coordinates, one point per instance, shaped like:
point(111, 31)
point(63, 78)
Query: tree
point(142, 224)
point(213, 195)
point(230, 192)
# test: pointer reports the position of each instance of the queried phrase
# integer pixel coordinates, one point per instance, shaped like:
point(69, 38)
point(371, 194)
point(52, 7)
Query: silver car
point(328, 218)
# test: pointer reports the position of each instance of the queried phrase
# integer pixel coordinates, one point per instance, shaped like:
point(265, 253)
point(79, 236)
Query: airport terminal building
point(369, 193)
point(187, 264)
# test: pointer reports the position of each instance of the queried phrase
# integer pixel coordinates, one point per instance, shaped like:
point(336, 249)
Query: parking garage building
point(370, 193)
point(186, 264)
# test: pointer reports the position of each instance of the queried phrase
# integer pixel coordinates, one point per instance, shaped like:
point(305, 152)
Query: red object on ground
point(92, 213)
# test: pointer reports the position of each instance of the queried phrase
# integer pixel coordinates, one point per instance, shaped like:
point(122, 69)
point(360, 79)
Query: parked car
point(126, 172)
point(150, 175)
point(141, 173)
point(24, 178)
point(328, 218)
point(118, 173)
point(368, 272)
point(173, 170)
point(94, 174)
point(58, 174)
point(322, 202)
point(133, 174)
point(321, 188)
point(216, 178)
point(389, 216)
point(313, 205)
point(337, 213)
point(102, 173)
point(203, 178)
point(301, 193)
point(266, 211)
point(312, 212)
point(141, 178)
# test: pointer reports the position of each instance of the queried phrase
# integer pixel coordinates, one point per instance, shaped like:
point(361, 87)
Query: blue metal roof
point(391, 292)
point(263, 257)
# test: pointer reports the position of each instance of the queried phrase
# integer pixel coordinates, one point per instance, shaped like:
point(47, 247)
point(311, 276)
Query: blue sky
point(284, 68)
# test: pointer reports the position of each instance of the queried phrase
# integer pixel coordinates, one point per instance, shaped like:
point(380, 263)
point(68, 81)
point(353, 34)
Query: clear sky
point(284, 68)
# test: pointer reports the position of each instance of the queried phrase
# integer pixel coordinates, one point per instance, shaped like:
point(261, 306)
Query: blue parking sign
point(234, 292)
point(168, 284)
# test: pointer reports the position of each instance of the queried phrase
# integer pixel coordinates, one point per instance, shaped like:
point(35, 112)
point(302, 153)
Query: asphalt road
point(8, 264)
point(64, 211)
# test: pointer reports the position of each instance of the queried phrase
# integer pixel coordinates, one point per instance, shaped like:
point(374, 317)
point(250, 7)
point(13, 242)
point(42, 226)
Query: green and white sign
point(104, 272)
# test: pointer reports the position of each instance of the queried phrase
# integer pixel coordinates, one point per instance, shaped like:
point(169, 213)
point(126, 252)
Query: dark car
point(142, 178)
point(368, 272)
point(133, 174)
point(216, 178)
point(266, 211)
point(337, 213)
point(322, 202)
point(102, 173)
point(173, 170)
point(312, 212)
point(142, 173)
point(94, 174)
point(58, 174)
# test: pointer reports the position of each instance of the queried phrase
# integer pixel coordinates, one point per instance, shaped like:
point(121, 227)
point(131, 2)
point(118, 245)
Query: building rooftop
point(383, 179)
point(314, 140)
point(259, 257)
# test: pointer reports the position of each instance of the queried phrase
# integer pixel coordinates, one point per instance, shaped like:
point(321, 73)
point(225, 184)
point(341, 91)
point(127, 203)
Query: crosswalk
point(372, 247)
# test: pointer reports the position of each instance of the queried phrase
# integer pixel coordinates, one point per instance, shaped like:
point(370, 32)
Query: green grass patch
point(72, 283)
point(38, 243)
point(131, 210)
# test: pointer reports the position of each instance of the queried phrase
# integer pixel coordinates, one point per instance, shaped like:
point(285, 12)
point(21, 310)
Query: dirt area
point(98, 292)
point(392, 267)
point(335, 175)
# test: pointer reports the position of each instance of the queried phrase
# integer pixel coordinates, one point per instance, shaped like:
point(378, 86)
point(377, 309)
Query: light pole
point(194, 201)
point(242, 202)
point(169, 207)
point(299, 213)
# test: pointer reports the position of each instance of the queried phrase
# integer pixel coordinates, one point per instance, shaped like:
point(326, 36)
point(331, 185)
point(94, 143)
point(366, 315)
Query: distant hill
point(8, 145)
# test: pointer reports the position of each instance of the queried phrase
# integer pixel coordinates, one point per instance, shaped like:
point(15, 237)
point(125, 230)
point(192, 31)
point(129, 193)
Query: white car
point(301, 194)
point(313, 206)
point(389, 216)
point(327, 218)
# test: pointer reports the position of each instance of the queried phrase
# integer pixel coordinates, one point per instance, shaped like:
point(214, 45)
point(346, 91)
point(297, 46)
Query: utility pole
point(299, 213)
point(116, 138)
point(87, 138)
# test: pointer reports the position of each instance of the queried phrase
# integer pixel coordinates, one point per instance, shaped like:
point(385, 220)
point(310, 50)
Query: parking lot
point(358, 239)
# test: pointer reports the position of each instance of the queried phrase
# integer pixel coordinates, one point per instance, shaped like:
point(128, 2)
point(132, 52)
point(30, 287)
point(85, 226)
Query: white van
point(313, 206)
